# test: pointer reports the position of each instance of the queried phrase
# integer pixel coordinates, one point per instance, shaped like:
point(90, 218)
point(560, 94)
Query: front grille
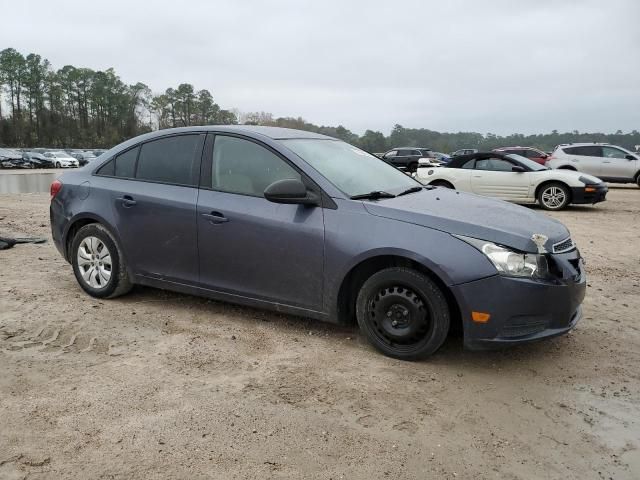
point(564, 246)
point(523, 326)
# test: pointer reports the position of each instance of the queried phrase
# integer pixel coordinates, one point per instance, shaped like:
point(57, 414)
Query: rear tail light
point(56, 186)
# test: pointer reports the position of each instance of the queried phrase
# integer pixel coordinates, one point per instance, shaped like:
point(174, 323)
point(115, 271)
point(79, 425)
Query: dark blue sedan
point(307, 224)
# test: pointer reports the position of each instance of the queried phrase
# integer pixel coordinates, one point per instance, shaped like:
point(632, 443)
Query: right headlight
point(511, 262)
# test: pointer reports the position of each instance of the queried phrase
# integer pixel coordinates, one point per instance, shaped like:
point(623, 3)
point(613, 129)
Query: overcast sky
point(499, 66)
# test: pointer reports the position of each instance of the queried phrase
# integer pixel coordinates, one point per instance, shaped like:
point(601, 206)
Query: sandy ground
point(162, 385)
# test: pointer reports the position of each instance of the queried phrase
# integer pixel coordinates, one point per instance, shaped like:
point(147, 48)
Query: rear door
point(493, 177)
point(249, 246)
point(586, 158)
point(154, 193)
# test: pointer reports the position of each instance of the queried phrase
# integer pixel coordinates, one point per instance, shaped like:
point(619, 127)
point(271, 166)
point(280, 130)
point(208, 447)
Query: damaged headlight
point(510, 262)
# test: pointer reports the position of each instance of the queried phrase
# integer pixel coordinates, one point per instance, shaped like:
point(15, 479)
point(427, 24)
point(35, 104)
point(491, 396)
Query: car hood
point(576, 175)
point(472, 216)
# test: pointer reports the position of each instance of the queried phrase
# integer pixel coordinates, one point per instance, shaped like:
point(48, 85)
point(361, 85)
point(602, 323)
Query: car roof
point(582, 144)
point(511, 148)
point(410, 148)
point(460, 160)
point(274, 133)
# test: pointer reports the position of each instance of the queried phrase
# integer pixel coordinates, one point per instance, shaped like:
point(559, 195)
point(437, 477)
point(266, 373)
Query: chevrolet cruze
point(306, 224)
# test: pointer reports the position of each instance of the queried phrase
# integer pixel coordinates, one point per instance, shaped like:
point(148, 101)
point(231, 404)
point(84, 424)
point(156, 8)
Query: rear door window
point(585, 151)
point(174, 160)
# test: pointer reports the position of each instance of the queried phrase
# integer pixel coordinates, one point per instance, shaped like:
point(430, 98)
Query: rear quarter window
point(125, 163)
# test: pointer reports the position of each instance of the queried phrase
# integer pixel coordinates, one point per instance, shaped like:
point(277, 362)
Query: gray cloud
point(489, 66)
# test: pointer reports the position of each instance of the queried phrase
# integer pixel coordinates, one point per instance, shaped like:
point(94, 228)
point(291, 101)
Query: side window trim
point(198, 169)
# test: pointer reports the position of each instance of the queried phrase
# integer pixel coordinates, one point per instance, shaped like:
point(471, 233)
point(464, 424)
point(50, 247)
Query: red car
point(527, 152)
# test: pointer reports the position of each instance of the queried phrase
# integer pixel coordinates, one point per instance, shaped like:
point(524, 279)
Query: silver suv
point(608, 162)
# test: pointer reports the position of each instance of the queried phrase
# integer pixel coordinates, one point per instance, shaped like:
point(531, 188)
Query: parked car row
point(47, 158)
point(573, 174)
point(512, 177)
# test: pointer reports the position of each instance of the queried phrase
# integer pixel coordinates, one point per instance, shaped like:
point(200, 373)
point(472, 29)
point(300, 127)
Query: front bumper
point(597, 193)
point(523, 310)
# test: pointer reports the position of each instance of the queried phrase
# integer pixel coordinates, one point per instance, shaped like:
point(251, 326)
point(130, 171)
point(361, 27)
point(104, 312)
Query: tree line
point(75, 107)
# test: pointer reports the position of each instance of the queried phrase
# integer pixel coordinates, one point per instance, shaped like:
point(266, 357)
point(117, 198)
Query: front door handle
point(127, 201)
point(215, 217)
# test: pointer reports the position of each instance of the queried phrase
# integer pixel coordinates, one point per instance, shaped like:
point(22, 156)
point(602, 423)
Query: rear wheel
point(413, 167)
point(403, 313)
point(554, 196)
point(98, 263)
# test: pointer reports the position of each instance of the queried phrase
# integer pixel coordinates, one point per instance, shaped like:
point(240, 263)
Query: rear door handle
point(215, 217)
point(127, 201)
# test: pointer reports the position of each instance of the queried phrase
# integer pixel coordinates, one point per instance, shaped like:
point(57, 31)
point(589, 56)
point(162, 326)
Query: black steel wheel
point(403, 313)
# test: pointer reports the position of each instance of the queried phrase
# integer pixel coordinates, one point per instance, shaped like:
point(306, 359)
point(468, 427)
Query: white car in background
point(516, 179)
point(61, 159)
point(609, 162)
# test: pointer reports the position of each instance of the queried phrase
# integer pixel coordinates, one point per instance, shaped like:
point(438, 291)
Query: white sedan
point(516, 179)
point(61, 159)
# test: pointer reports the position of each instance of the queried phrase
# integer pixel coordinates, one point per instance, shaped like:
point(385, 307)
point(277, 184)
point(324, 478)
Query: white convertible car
point(516, 179)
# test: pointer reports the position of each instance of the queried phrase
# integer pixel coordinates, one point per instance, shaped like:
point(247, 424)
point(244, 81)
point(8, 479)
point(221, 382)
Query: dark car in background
point(84, 157)
point(12, 159)
point(464, 151)
point(531, 153)
point(37, 160)
point(306, 224)
point(407, 158)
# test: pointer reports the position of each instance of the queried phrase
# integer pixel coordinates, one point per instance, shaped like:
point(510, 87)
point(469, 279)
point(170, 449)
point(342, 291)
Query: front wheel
point(554, 196)
point(98, 263)
point(403, 313)
point(442, 183)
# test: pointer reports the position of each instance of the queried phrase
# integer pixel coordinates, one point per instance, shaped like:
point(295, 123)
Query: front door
point(493, 177)
point(249, 246)
point(616, 165)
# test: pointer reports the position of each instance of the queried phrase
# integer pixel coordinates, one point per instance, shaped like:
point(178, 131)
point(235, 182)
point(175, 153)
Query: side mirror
point(518, 168)
point(290, 191)
point(630, 157)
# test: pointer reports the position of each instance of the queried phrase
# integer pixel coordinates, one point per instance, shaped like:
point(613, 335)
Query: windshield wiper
point(373, 195)
point(410, 190)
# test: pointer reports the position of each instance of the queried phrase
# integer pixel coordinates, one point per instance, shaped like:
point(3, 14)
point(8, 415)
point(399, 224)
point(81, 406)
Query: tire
point(57, 164)
point(442, 183)
point(90, 262)
point(554, 196)
point(403, 313)
point(638, 179)
point(413, 167)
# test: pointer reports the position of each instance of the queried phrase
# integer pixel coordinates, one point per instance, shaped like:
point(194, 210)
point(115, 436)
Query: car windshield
point(530, 164)
point(353, 171)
